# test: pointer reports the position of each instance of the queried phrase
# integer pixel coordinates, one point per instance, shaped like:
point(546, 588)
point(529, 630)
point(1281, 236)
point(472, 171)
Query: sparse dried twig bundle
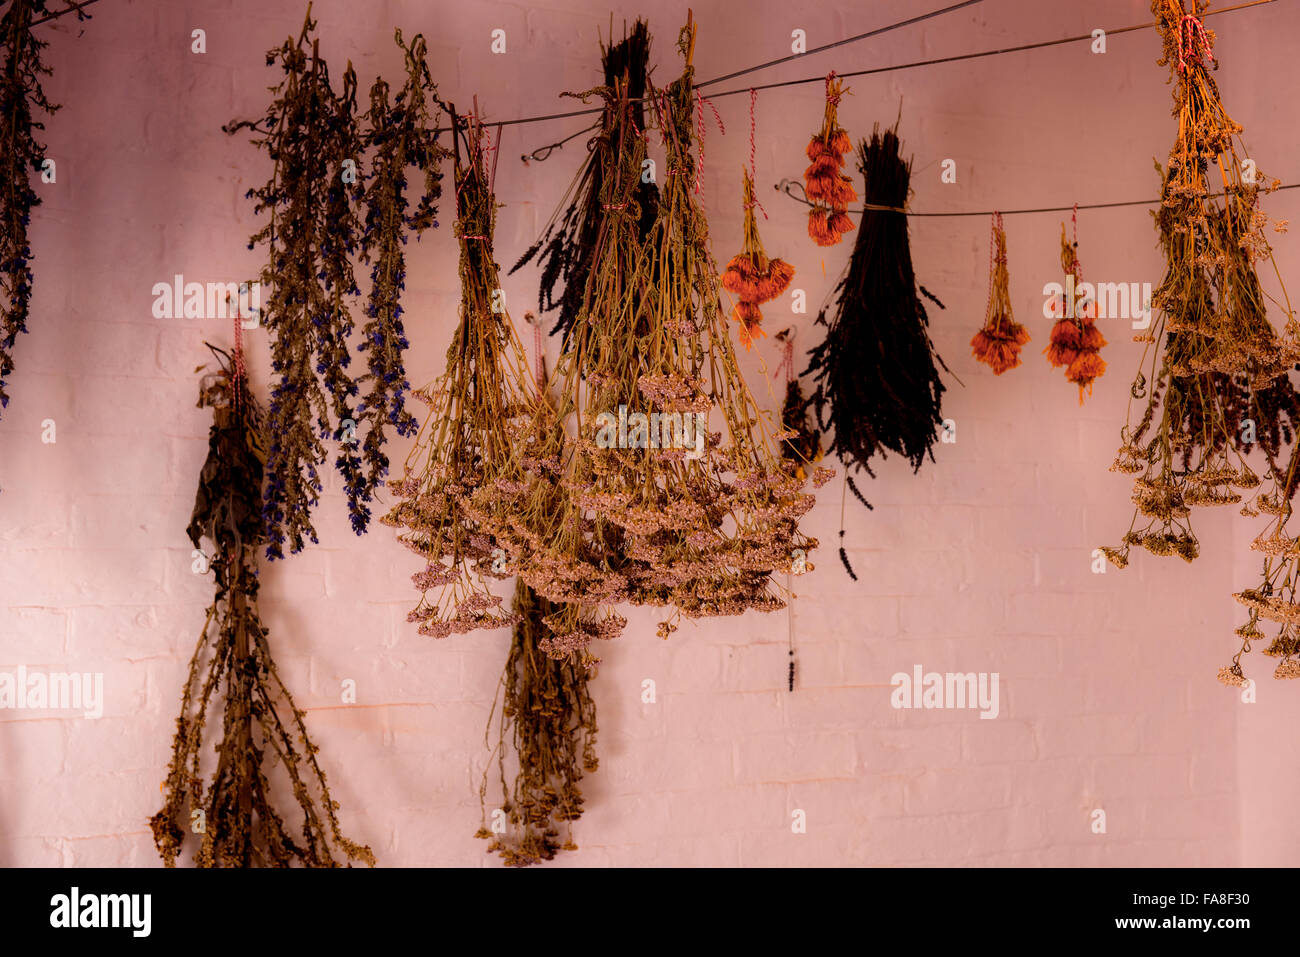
point(547, 731)
point(999, 341)
point(262, 728)
point(1219, 386)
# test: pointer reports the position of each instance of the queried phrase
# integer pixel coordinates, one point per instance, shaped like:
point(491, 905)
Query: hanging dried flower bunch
point(877, 371)
point(548, 723)
point(1221, 385)
point(1076, 341)
point(829, 190)
point(801, 440)
point(21, 99)
point(566, 248)
point(751, 276)
point(401, 135)
point(317, 197)
point(462, 468)
point(676, 515)
point(262, 728)
point(998, 343)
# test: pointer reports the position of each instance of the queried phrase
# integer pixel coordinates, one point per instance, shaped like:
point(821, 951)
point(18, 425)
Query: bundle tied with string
point(828, 189)
point(463, 468)
point(751, 276)
point(658, 508)
point(232, 669)
point(999, 341)
point(801, 440)
point(876, 372)
point(1214, 376)
point(1075, 342)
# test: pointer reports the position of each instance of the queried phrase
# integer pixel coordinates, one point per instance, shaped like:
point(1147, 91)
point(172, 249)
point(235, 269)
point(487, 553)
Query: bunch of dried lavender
point(877, 371)
point(548, 723)
point(401, 134)
point(566, 249)
point(240, 825)
point(21, 98)
point(1220, 386)
point(461, 472)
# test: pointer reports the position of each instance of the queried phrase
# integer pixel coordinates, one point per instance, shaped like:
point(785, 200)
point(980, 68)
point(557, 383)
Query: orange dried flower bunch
point(828, 189)
point(1075, 341)
point(752, 277)
point(998, 343)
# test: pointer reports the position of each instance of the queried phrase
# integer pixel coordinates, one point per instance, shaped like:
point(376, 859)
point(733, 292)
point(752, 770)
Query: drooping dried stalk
point(547, 730)
point(234, 814)
point(829, 190)
point(877, 371)
point(1219, 387)
point(402, 136)
point(21, 99)
point(1075, 342)
point(461, 472)
point(999, 341)
point(567, 246)
point(751, 276)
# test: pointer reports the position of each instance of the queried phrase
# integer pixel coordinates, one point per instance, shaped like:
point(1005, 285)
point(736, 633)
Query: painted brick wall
point(982, 562)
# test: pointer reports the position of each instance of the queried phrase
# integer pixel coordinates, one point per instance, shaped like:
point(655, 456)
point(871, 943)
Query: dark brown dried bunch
point(801, 440)
point(402, 135)
point(1220, 386)
point(548, 724)
point(21, 99)
point(567, 246)
point(877, 370)
point(658, 510)
point(472, 444)
point(262, 728)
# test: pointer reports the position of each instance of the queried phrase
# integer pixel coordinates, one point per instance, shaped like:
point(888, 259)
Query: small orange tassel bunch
point(1076, 341)
point(998, 343)
point(829, 190)
point(752, 277)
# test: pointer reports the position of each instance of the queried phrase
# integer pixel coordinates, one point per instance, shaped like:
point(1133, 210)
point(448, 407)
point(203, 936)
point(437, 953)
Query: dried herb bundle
point(999, 341)
point(751, 276)
point(567, 246)
point(685, 517)
point(877, 370)
point(1221, 385)
point(235, 814)
point(323, 211)
point(312, 137)
point(401, 135)
point(21, 99)
point(462, 469)
point(829, 190)
point(548, 724)
point(1075, 342)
